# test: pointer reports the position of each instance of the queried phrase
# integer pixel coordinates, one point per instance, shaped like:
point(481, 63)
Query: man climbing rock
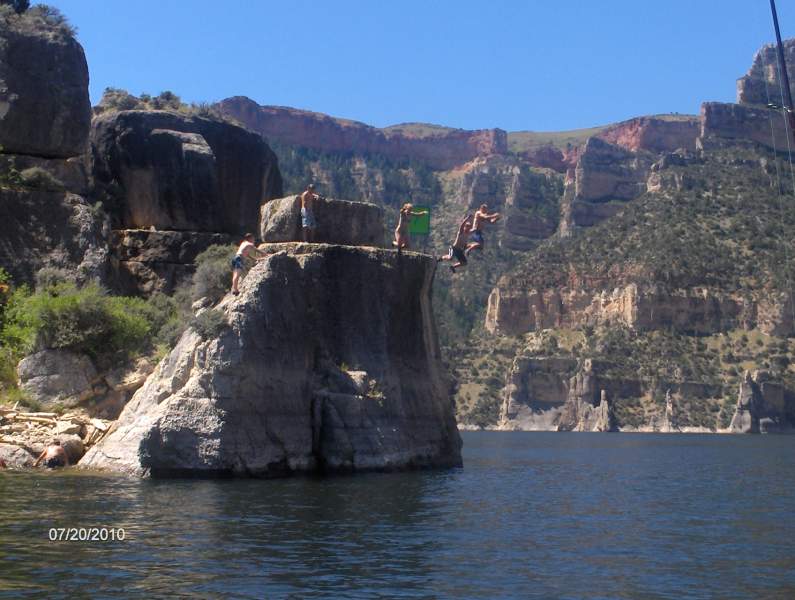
point(246, 250)
point(308, 224)
point(482, 216)
point(53, 456)
point(456, 251)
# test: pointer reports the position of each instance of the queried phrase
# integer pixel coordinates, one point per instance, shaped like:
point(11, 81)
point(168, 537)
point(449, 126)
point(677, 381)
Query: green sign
point(420, 225)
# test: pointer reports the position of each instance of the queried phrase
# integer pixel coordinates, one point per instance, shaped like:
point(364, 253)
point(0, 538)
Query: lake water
point(531, 515)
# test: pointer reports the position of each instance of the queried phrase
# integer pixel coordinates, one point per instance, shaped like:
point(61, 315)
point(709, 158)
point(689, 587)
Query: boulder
point(272, 393)
point(15, 457)
point(44, 105)
point(57, 377)
point(167, 170)
point(338, 222)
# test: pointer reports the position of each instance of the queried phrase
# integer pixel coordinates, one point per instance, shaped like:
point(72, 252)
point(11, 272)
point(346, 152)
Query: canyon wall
point(444, 149)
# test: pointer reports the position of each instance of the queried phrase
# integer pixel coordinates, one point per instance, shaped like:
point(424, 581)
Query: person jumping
point(456, 251)
point(476, 235)
point(245, 250)
point(401, 231)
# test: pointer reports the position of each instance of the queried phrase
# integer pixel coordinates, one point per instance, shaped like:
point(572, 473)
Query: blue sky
point(518, 65)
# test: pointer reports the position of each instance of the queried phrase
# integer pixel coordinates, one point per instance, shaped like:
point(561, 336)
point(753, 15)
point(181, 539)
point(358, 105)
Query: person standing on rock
point(482, 216)
point(402, 230)
point(308, 224)
point(459, 244)
point(245, 250)
point(53, 456)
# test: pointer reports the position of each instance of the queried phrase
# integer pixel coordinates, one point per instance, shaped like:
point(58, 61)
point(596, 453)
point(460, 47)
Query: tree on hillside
point(19, 6)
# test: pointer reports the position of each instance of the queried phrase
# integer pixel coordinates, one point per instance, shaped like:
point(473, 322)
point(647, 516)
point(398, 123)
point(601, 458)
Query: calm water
point(532, 515)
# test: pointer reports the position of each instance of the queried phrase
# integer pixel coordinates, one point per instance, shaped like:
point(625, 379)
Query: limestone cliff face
point(566, 394)
point(328, 360)
point(653, 134)
point(750, 119)
point(46, 219)
point(605, 177)
point(763, 406)
point(513, 309)
point(173, 185)
point(527, 198)
point(558, 394)
point(737, 123)
point(764, 70)
point(442, 150)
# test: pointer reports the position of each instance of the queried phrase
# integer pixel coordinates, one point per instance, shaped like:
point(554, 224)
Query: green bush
point(213, 273)
point(49, 277)
point(209, 323)
point(38, 178)
point(87, 319)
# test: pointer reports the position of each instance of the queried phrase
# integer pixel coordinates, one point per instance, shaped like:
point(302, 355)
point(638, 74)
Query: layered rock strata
point(514, 308)
point(444, 149)
point(327, 361)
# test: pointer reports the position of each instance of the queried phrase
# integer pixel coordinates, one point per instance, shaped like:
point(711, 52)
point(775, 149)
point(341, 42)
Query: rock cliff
point(761, 84)
point(763, 406)
point(175, 172)
point(654, 134)
point(44, 105)
point(327, 361)
point(443, 149)
point(174, 184)
point(46, 218)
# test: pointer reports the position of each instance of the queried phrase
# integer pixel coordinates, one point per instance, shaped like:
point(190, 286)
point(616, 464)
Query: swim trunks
point(477, 237)
point(307, 219)
point(458, 254)
point(237, 263)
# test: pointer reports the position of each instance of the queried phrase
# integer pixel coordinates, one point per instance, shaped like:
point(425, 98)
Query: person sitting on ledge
point(457, 249)
point(245, 250)
point(308, 223)
point(481, 216)
point(401, 231)
point(53, 456)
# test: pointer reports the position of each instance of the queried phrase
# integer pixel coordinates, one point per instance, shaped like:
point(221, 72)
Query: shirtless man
point(457, 249)
point(308, 223)
point(245, 250)
point(481, 217)
point(401, 231)
point(53, 456)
